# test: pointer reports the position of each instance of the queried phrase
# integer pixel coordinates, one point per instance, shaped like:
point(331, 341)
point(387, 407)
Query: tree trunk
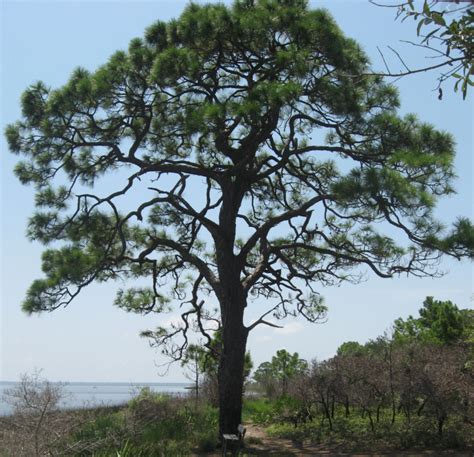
point(441, 419)
point(196, 383)
point(420, 409)
point(284, 386)
point(327, 411)
point(233, 300)
point(394, 409)
point(231, 370)
point(372, 427)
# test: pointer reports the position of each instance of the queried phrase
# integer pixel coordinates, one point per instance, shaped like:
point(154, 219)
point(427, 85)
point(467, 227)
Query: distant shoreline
point(80, 394)
point(122, 383)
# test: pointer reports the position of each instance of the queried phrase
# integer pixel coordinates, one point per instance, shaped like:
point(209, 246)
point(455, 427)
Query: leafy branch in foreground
point(447, 33)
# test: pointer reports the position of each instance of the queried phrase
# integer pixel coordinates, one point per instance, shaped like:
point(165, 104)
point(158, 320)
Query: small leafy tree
point(286, 366)
point(440, 322)
point(322, 387)
point(205, 160)
point(263, 376)
point(275, 375)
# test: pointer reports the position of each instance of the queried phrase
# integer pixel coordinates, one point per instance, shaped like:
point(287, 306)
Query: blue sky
point(93, 340)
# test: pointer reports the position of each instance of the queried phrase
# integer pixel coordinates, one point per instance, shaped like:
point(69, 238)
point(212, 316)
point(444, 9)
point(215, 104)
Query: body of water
point(86, 394)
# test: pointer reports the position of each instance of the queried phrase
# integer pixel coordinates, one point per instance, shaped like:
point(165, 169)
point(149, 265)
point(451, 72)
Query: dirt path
point(259, 443)
point(269, 445)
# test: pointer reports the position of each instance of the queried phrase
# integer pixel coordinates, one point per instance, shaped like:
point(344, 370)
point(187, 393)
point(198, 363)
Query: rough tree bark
point(231, 364)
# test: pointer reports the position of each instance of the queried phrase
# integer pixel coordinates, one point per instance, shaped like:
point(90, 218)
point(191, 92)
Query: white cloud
point(289, 329)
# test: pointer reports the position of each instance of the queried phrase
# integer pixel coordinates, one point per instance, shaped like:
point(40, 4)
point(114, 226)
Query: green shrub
point(265, 411)
point(149, 406)
point(150, 426)
point(100, 427)
point(289, 432)
point(128, 450)
point(146, 395)
point(258, 410)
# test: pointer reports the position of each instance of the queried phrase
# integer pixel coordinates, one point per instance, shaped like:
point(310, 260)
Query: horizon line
point(102, 382)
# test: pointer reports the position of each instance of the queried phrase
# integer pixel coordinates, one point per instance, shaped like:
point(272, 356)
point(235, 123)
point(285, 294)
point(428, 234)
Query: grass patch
point(150, 425)
point(258, 410)
point(154, 425)
point(353, 432)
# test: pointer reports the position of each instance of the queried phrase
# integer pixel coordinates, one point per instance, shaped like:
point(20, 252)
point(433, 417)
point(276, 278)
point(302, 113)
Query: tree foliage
point(275, 376)
point(408, 387)
point(447, 32)
point(234, 155)
point(440, 322)
point(286, 366)
point(350, 347)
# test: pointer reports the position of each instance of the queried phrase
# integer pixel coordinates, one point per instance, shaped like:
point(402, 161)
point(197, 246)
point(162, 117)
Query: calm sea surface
point(85, 394)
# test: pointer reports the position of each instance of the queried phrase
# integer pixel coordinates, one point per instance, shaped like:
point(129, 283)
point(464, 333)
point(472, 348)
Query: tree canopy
point(440, 322)
point(234, 155)
point(282, 368)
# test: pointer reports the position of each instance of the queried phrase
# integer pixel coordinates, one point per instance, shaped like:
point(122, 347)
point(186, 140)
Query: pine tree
point(237, 156)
